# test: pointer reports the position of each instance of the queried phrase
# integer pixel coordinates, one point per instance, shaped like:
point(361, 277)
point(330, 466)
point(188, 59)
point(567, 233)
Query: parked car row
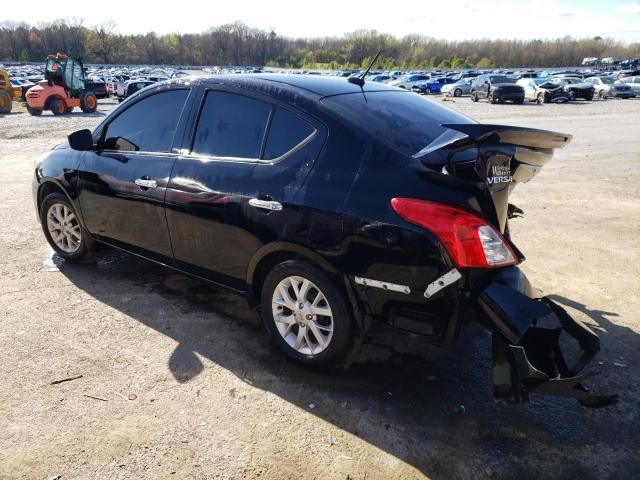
point(499, 88)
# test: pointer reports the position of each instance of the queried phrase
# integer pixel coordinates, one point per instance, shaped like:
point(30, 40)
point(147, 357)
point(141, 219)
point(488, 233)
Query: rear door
point(230, 195)
point(123, 182)
point(482, 87)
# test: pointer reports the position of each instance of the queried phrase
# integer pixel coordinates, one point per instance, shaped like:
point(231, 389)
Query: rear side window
point(287, 130)
point(231, 125)
point(148, 125)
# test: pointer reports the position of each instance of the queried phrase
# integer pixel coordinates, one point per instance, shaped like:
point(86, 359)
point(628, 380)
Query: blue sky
point(458, 19)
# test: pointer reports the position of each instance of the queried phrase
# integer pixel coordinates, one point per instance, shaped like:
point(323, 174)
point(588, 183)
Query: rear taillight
point(469, 240)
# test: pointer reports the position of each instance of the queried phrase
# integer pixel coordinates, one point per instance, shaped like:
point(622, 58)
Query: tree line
point(239, 44)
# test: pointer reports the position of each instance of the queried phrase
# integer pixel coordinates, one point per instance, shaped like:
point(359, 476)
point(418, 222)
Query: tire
point(457, 92)
point(69, 109)
point(520, 101)
point(589, 98)
point(88, 102)
point(541, 98)
point(36, 112)
point(57, 106)
point(305, 337)
point(6, 102)
point(58, 215)
point(491, 98)
point(474, 97)
point(602, 95)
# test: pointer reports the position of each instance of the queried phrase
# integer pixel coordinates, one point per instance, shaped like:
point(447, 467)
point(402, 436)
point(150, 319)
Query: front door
point(123, 183)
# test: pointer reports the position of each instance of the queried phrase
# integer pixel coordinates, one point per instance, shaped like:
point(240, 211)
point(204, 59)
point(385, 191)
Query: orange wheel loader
point(62, 90)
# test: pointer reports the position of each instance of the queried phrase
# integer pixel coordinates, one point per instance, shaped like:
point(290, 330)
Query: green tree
point(485, 63)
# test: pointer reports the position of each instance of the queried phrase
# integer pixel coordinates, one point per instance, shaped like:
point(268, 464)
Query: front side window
point(148, 125)
point(231, 125)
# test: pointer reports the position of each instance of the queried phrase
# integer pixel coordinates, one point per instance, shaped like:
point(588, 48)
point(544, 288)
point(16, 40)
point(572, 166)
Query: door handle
point(146, 183)
point(265, 204)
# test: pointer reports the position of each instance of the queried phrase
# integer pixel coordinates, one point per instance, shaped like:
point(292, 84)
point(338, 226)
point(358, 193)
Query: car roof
point(316, 85)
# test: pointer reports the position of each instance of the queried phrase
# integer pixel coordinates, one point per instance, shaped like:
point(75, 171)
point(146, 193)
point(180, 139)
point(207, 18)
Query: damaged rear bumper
point(527, 353)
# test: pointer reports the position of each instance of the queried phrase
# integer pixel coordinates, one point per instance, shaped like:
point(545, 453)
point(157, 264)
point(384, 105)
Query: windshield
point(608, 81)
point(403, 121)
point(501, 79)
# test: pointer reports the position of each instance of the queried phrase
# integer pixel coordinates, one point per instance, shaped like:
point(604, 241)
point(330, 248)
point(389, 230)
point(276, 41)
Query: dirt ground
point(179, 379)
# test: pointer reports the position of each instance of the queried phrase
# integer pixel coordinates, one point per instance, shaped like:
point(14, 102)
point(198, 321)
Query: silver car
point(461, 87)
point(607, 87)
point(634, 83)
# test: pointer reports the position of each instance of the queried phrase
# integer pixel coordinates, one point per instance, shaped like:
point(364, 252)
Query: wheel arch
point(271, 255)
point(51, 185)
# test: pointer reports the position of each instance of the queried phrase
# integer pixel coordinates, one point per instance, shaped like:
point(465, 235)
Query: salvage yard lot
point(179, 380)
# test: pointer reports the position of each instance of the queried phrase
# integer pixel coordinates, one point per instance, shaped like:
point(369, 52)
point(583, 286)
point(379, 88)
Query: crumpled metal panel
point(527, 354)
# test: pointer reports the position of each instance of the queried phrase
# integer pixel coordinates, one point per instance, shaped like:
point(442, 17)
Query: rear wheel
point(63, 230)
point(474, 97)
point(88, 102)
point(36, 112)
point(6, 102)
point(457, 92)
point(306, 315)
point(57, 106)
point(491, 97)
point(602, 95)
point(540, 98)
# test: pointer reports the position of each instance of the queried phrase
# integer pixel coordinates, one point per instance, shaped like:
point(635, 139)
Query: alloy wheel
point(64, 228)
point(302, 315)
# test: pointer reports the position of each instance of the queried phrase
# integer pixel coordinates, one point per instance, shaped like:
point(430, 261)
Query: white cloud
point(628, 8)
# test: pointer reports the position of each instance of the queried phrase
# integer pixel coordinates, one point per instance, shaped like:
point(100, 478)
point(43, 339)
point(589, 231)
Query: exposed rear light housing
point(470, 240)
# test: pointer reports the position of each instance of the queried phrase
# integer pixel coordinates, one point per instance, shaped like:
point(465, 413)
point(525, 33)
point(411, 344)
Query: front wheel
point(474, 97)
point(6, 102)
point(491, 98)
point(36, 112)
point(540, 99)
point(88, 102)
point(602, 95)
point(306, 315)
point(63, 230)
point(457, 92)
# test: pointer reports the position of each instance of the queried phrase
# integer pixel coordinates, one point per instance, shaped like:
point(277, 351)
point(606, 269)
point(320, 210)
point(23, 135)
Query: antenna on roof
point(360, 80)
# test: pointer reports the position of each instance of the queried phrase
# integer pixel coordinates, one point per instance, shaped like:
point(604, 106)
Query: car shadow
point(428, 407)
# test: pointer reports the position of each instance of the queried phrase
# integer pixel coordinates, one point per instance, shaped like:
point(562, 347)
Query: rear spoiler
point(463, 135)
point(521, 136)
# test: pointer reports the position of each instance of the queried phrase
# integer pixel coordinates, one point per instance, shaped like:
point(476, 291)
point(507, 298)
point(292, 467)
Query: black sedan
point(497, 89)
point(578, 89)
point(97, 86)
point(329, 203)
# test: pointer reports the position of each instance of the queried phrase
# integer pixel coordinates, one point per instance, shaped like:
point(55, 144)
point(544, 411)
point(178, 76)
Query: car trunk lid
point(496, 157)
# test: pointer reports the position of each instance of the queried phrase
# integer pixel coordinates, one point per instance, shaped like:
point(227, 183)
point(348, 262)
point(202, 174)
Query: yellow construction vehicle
point(8, 93)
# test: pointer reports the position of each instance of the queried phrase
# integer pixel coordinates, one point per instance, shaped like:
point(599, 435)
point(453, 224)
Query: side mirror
point(81, 140)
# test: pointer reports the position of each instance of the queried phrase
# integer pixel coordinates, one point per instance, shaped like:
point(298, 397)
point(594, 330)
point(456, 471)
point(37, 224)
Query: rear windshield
point(404, 121)
point(501, 79)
